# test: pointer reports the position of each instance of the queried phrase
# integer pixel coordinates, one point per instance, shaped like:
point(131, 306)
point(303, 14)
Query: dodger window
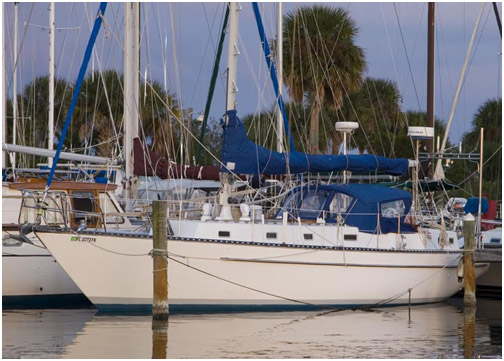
point(340, 203)
point(313, 203)
point(393, 209)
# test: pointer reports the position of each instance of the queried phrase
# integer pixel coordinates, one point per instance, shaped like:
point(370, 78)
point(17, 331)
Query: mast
point(232, 89)
point(212, 85)
point(131, 93)
point(233, 53)
point(480, 166)
point(439, 174)
point(50, 123)
point(430, 77)
point(280, 130)
point(14, 85)
point(4, 100)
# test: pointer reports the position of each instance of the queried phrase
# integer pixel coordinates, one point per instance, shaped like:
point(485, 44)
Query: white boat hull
point(116, 273)
point(31, 277)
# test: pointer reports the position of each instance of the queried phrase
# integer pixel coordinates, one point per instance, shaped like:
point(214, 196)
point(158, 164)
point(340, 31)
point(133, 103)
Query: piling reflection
point(428, 331)
point(469, 325)
point(159, 338)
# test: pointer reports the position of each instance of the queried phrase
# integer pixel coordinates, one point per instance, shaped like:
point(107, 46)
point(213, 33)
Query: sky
point(180, 39)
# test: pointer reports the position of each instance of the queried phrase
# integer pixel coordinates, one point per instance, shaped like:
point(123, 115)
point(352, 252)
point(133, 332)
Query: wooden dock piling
point(469, 268)
point(160, 260)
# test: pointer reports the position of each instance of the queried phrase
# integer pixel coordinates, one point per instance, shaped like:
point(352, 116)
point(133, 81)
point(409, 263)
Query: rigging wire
point(407, 57)
point(20, 47)
point(205, 50)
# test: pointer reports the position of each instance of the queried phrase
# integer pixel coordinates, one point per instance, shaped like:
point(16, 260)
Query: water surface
point(428, 331)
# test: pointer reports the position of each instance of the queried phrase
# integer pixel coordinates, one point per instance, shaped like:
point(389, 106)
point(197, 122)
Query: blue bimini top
point(358, 205)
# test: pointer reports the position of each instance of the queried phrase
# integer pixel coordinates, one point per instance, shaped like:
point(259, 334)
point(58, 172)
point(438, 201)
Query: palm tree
point(158, 110)
point(376, 107)
point(489, 117)
point(98, 115)
point(261, 127)
point(33, 115)
point(321, 61)
point(98, 122)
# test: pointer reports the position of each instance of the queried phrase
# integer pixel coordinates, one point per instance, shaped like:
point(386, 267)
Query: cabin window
point(340, 203)
point(393, 209)
point(313, 203)
point(83, 204)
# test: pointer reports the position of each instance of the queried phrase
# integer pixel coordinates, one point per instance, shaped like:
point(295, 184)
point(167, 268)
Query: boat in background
point(491, 282)
point(31, 277)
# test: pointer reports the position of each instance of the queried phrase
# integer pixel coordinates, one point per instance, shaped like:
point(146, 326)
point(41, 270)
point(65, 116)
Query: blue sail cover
point(242, 156)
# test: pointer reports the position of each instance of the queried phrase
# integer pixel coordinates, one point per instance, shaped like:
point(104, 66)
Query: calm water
point(429, 331)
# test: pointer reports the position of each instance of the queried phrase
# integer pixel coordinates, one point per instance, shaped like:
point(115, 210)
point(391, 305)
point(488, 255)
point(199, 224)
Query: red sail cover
point(148, 163)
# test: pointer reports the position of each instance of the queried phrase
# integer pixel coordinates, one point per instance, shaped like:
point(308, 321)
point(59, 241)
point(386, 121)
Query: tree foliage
point(376, 107)
point(97, 126)
point(489, 117)
point(320, 60)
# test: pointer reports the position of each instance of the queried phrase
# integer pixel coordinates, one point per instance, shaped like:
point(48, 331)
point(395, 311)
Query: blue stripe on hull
point(76, 300)
point(143, 309)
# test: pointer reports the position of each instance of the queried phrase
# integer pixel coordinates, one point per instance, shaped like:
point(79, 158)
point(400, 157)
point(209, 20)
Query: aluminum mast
point(131, 93)
point(50, 123)
point(14, 85)
point(280, 128)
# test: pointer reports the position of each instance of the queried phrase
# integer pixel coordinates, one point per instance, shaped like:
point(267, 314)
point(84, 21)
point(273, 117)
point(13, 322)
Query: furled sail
point(148, 163)
point(242, 156)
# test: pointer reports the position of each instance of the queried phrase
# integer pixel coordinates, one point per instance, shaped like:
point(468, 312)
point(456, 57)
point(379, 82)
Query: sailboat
point(31, 277)
point(326, 246)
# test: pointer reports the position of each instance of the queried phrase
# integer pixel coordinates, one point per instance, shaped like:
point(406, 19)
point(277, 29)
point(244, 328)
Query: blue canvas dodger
point(365, 202)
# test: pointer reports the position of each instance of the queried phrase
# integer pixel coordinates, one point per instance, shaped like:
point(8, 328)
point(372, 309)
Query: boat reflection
point(427, 331)
point(41, 333)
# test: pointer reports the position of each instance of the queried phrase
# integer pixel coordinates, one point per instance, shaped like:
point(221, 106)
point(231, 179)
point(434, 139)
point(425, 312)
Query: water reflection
point(41, 333)
point(429, 331)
